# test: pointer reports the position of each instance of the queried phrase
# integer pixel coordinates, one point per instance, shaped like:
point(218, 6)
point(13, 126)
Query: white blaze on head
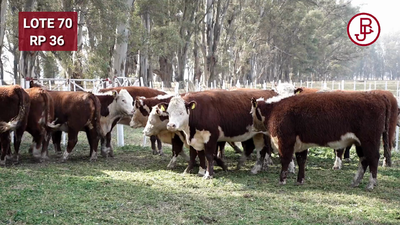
point(154, 124)
point(122, 104)
point(178, 114)
point(285, 89)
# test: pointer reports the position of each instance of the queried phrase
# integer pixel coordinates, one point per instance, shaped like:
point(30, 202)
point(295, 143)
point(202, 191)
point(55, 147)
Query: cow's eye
point(181, 113)
point(123, 101)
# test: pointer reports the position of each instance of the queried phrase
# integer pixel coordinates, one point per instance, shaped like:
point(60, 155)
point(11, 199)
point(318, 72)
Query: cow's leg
point(362, 166)
point(347, 154)
point(219, 160)
point(248, 148)
point(45, 145)
point(72, 140)
point(209, 150)
point(220, 150)
point(17, 141)
point(338, 162)
point(106, 148)
point(235, 147)
point(286, 150)
point(301, 158)
point(192, 161)
point(56, 136)
point(203, 164)
point(5, 145)
point(262, 146)
point(153, 139)
point(177, 148)
point(93, 140)
point(37, 145)
point(373, 168)
point(159, 146)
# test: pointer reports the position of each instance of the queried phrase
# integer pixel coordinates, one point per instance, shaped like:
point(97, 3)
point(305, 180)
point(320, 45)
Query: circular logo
point(363, 29)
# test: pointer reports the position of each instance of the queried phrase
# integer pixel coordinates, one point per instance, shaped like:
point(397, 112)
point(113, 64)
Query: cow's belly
point(345, 140)
point(239, 138)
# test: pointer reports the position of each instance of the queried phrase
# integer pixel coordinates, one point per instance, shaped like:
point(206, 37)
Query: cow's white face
point(154, 123)
point(178, 111)
point(123, 103)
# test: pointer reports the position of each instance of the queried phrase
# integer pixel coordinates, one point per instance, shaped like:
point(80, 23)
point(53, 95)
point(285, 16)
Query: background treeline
point(206, 40)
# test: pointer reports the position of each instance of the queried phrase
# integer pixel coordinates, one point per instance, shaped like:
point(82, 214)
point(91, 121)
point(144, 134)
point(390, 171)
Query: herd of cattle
point(286, 120)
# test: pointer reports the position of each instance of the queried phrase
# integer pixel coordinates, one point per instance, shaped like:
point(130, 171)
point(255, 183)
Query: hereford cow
point(76, 111)
point(15, 103)
point(40, 121)
point(332, 119)
point(209, 117)
point(392, 124)
point(157, 125)
point(133, 91)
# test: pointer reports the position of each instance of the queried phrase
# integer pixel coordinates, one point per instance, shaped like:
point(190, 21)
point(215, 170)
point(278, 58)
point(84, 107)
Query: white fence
point(95, 84)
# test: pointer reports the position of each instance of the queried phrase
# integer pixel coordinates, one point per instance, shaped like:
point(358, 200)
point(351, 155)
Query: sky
point(385, 11)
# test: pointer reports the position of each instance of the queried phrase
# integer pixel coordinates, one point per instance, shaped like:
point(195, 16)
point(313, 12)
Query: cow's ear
point(298, 90)
point(163, 106)
point(114, 93)
point(254, 102)
point(191, 105)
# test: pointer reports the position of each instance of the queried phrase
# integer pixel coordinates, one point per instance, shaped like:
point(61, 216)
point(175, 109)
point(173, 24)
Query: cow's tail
point(15, 122)
point(387, 151)
point(97, 116)
point(46, 112)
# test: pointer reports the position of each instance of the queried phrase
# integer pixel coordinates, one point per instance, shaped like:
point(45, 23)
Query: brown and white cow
point(15, 103)
point(209, 117)
point(40, 121)
point(393, 120)
point(133, 91)
point(157, 125)
point(331, 119)
point(76, 111)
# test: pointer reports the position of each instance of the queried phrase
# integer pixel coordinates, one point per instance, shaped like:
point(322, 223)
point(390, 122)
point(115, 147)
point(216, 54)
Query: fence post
point(385, 85)
point(120, 135)
point(301, 83)
point(354, 85)
point(369, 86)
point(397, 89)
point(333, 85)
point(162, 85)
point(265, 85)
point(375, 85)
point(365, 85)
point(176, 88)
point(342, 84)
point(84, 85)
point(141, 81)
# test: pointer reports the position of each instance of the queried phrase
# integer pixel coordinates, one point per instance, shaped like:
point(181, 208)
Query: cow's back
point(136, 91)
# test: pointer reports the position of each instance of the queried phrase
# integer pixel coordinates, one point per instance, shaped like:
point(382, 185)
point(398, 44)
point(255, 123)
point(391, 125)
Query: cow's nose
point(171, 126)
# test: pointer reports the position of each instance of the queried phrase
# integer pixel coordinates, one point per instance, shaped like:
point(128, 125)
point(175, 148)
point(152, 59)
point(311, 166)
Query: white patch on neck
point(162, 97)
point(277, 98)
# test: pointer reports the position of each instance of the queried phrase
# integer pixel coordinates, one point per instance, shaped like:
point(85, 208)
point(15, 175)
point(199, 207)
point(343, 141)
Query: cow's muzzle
point(171, 126)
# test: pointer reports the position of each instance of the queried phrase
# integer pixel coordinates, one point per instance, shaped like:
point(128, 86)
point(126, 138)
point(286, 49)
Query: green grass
point(135, 187)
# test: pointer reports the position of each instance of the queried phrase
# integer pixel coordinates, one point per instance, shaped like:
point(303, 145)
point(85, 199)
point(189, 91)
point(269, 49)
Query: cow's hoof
point(347, 160)
point(207, 177)
point(282, 182)
point(336, 168)
point(155, 152)
point(111, 154)
point(104, 154)
point(300, 182)
point(255, 169)
point(161, 153)
point(202, 172)
point(354, 184)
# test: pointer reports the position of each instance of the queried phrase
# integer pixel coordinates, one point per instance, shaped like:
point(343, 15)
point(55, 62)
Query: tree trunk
point(27, 59)
point(121, 46)
point(3, 5)
point(165, 71)
point(144, 55)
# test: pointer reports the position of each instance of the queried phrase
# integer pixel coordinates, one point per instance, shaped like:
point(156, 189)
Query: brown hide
point(229, 110)
point(78, 111)
point(15, 103)
point(323, 118)
point(41, 114)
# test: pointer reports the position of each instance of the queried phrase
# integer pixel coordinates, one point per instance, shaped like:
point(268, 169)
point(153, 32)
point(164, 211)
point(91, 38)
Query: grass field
point(135, 187)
